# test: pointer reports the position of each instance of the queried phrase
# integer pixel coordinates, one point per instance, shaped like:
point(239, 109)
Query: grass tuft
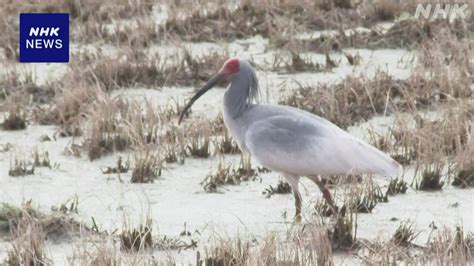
point(20, 168)
point(281, 188)
point(121, 167)
point(396, 186)
point(404, 234)
point(148, 167)
point(136, 239)
point(465, 178)
point(430, 179)
point(230, 175)
point(16, 119)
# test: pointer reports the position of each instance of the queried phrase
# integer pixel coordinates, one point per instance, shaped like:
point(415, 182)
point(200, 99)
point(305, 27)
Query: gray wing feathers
point(302, 145)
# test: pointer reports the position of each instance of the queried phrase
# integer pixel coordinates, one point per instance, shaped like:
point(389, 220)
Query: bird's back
point(296, 142)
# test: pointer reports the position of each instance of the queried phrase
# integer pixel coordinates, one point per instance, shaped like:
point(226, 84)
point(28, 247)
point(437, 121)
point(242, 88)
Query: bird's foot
point(298, 219)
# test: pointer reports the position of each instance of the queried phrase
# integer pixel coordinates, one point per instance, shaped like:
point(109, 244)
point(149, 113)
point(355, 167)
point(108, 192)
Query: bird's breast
point(236, 130)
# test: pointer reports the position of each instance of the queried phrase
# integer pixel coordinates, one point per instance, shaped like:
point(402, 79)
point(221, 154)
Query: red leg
point(326, 194)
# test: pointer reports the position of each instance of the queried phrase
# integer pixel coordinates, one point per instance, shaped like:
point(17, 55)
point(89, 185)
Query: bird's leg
point(326, 194)
point(297, 196)
point(294, 181)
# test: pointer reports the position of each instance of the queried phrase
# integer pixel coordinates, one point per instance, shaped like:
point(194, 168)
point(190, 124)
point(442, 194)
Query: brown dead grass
point(426, 140)
point(406, 34)
point(134, 67)
point(29, 228)
point(452, 246)
point(136, 239)
point(28, 246)
point(297, 62)
point(68, 108)
point(115, 124)
point(208, 22)
point(106, 132)
point(442, 73)
point(356, 98)
point(231, 175)
point(16, 82)
point(309, 246)
point(15, 119)
point(148, 166)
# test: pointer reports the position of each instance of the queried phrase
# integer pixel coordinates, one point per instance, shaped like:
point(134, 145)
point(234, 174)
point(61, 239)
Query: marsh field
point(95, 170)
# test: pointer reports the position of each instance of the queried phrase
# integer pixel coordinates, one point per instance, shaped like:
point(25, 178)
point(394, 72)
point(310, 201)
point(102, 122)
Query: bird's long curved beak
point(211, 83)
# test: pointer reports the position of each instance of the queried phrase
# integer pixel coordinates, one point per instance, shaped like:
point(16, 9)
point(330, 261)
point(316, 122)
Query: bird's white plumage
point(298, 143)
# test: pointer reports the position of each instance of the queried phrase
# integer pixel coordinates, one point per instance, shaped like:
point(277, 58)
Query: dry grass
point(16, 117)
point(174, 153)
point(29, 229)
point(396, 186)
point(197, 139)
point(364, 197)
point(452, 247)
point(129, 70)
point(225, 144)
point(116, 124)
point(446, 247)
point(68, 107)
point(384, 10)
point(105, 252)
point(386, 252)
point(343, 232)
point(41, 159)
point(309, 246)
point(464, 166)
point(102, 253)
point(404, 234)
point(245, 20)
point(106, 133)
point(28, 246)
point(139, 32)
point(354, 100)
point(231, 175)
point(281, 188)
point(134, 67)
point(198, 146)
point(227, 253)
point(426, 139)
point(16, 83)
point(20, 167)
point(440, 76)
point(358, 198)
point(297, 62)
point(69, 206)
point(431, 178)
point(120, 168)
point(408, 34)
point(148, 166)
point(136, 239)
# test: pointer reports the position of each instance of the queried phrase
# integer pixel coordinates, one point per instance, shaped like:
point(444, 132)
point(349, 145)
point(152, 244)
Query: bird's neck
point(236, 98)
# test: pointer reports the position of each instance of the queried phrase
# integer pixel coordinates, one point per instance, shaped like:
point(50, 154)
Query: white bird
point(287, 140)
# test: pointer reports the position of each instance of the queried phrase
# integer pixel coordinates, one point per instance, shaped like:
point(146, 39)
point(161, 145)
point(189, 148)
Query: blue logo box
point(44, 37)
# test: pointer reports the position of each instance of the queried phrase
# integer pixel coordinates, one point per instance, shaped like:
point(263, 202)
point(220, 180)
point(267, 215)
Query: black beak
point(211, 83)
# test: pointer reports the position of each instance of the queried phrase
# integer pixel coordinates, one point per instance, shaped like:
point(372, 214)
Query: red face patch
point(231, 66)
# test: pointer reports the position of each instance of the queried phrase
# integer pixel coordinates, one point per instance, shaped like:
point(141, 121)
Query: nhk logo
point(442, 10)
point(44, 37)
point(38, 43)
